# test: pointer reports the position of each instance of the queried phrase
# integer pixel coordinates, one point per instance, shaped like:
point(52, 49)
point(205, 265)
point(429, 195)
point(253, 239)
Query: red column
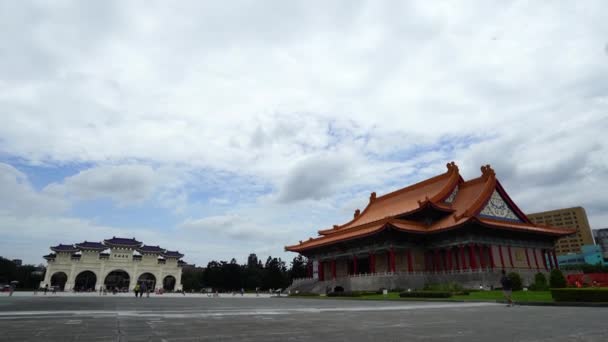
point(482, 261)
point(544, 254)
point(372, 262)
point(510, 256)
point(535, 258)
point(491, 255)
point(528, 258)
point(355, 271)
point(393, 263)
point(333, 268)
point(555, 259)
point(321, 271)
point(549, 258)
point(410, 264)
point(472, 257)
point(448, 255)
point(436, 260)
point(463, 258)
point(456, 258)
point(502, 258)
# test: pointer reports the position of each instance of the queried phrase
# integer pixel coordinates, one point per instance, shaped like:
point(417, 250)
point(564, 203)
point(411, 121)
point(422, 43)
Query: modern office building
point(568, 218)
point(591, 254)
point(601, 239)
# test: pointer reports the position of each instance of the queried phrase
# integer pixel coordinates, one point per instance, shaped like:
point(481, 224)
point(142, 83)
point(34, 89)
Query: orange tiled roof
point(383, 212)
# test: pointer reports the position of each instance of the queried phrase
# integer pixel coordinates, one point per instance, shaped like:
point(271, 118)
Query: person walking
point(507, 287)
point(46, 288)
point(136, 290)
point(143, 288)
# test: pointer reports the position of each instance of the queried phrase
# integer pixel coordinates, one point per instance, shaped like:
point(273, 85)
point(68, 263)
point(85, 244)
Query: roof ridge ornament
point(452, 166)
point(372, 197)
point(357, 213)
point(487, 171)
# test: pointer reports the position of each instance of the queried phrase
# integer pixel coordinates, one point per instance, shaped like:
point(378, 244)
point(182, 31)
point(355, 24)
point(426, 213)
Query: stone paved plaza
point(198, 318)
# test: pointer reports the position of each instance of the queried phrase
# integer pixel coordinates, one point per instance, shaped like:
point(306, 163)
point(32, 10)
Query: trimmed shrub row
point(426, 294)
point(351, 294)
point(304, 294)
point(580, 295)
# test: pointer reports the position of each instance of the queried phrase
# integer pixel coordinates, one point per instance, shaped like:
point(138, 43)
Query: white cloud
point(18, 196)
point(313, 106)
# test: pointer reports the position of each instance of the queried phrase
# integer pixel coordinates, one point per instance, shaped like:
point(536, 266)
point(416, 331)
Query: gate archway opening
point(169, 283)
point(117, 280)
point(148, 279)
point(85, 281)
point(58, 280)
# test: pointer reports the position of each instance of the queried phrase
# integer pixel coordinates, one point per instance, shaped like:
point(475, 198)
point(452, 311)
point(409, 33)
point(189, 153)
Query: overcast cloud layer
point(224, 129)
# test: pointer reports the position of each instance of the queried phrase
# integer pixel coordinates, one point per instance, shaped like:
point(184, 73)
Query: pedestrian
point(54, 290)
point(12, 289)
point(242, 291)
point(143, 288)
point(100, 290)
point(46, 288)
point(507, 287)
point(136, 290)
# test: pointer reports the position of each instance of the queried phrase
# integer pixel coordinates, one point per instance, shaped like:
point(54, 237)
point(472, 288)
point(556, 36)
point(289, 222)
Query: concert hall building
point(443, 229)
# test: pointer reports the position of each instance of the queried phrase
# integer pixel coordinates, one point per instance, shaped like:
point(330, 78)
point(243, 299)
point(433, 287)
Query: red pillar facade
point(544, 254)
point(502, 258)
point(333, 268)
point(436, 260)
point(372, 262)
point(491, 255)
point(528, 258)
point(482, 261)
point(448, 254)
point(510, 256)
point(321, 271)
point(472, 256)
point(463, 258)
point(410, 264)
point(391, 259)
point(355, 270)
point(535, 258)
point(555, 259)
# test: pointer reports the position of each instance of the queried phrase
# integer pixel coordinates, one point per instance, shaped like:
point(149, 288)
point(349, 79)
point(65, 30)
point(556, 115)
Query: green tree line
point(231, 276)
point(27, 276)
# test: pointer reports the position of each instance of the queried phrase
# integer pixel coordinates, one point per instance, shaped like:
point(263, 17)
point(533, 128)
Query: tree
point(275, 274)
point(298, 268)
point(557, 279)
point(516, 282)
point(540, 282)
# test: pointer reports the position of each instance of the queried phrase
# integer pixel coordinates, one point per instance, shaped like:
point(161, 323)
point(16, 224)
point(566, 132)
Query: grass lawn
point(490, 296)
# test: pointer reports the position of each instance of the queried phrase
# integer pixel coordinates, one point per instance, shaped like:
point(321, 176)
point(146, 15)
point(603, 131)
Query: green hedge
point(580, 295)
point(351, 294)
point(426, 294)
point(304, 294)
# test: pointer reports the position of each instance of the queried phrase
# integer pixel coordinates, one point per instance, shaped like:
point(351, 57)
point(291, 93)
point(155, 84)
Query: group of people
point(140, 289)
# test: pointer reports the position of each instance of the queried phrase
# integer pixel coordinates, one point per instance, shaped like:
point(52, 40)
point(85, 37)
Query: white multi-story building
point(117, 263)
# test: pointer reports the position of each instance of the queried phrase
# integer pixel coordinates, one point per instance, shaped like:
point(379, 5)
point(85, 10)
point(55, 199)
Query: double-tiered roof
point(61, 248)
point(481, 200)
point(91, 246)
point(145, 249)
point(114, 242)
point(172, 254)
point(122, 242)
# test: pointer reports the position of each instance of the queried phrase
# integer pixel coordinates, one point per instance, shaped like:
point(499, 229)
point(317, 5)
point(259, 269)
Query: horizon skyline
point(229, 129)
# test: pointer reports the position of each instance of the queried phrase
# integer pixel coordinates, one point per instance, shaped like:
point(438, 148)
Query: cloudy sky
point(224, 128)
